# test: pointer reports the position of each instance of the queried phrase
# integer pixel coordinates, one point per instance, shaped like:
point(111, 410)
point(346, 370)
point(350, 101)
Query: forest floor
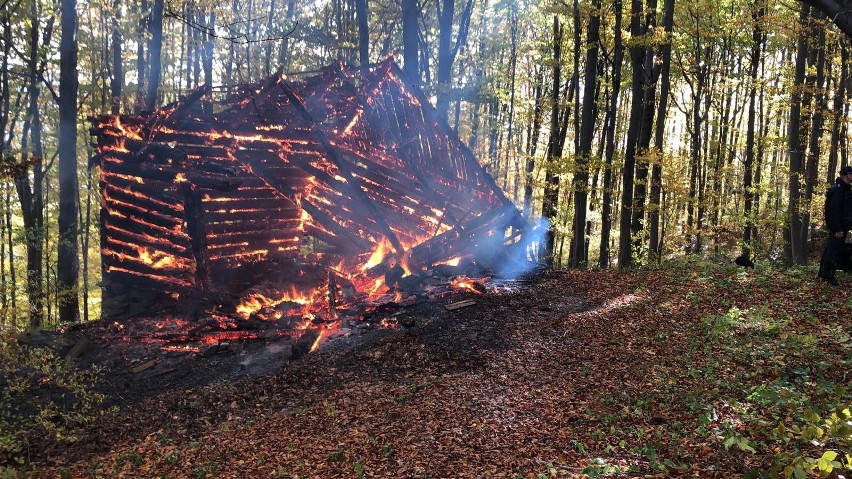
point(691, 370)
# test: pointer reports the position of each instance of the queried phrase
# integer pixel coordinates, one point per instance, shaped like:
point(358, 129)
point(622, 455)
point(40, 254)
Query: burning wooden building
point(317, 182)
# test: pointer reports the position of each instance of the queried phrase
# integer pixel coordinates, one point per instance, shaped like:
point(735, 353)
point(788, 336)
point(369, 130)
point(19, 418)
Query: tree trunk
point(655, 245)
point(748, 163)
point(67, 264)
point(140, 55)
point(837, 109)
point(207, 48)
point(155, 49)
point(511, 150)
point(818, 119)
point(637, 61)
point(587, 132)
point(838, 12)
point(446, 11)
point(31, 196)
point(267, 54)
point(795, 147)
point(532, 139)
point(410, 42)
point(609, 133)
point(551, 181)
point(362, 11)
point(637, 220)
point(117, 82)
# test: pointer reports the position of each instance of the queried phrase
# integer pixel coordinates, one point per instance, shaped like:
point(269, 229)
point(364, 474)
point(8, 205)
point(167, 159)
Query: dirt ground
point(532, 380)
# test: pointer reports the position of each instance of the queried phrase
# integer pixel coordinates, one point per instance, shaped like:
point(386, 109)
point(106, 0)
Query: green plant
point(42, 394)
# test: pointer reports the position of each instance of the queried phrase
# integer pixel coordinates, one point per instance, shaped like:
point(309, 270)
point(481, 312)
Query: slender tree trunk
point(5, 110)
point(117, 82)
point(12, 273)
point(551, 181)
point(267, 54)
point(32, 196)
point(637, 60)
point(155, 49)
point(210, 20)
point(609, 133)
point(637, 221)
point(511, 150)
point(838, 109)
point(814, 148)
point(362, 11)
point(587, 132)
point(446, 11)
point(141, 64)
point(654, 237)
point(410, 42)
point(794, 145)
point(67, 264)
point(748, 163)
point(532, 141)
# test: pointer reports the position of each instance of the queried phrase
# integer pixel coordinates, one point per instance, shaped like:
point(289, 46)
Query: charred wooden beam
point(341, 164)
point(194, 215)
point(335, 228)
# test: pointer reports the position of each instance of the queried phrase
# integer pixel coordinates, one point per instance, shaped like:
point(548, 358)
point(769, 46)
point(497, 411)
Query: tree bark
point(838, 106)
point(817, 121)
point(67, 264)
point(655, 245)
point(117, 82)
point(587, 132)
point(532, 139)
point(650, 72)
point(637, 62)
point(757, 36)
point(794, 145)
point(155, 49)
point(838, 13)
point(362, 11)
point(410, 42)
point(30, 195)
point(609, 133)
point(141, 64)
point(551, 181)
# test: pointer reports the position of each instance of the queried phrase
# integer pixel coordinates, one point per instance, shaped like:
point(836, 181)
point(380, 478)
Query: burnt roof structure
point(328, 169)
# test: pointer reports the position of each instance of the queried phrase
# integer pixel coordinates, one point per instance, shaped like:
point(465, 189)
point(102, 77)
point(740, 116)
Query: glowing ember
point(377, 255)
point(466, 284)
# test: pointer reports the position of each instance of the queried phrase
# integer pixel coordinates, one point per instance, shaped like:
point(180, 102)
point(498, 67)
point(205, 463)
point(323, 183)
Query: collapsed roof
point(338, 166)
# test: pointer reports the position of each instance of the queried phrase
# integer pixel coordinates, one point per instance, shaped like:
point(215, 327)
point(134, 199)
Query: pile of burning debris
point(293, 205)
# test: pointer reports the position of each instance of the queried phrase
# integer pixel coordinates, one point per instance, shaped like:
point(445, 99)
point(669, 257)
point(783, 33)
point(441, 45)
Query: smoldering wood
point(319, 168)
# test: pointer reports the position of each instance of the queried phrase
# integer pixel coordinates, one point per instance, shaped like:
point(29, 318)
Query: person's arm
point(835, 212)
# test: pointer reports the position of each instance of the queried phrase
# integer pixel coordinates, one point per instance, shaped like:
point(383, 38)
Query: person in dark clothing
point(838, 220)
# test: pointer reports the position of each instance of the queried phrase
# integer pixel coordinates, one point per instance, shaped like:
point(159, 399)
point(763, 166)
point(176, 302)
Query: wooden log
point(144, 366)
point(215, 238)
point(251, 226)
point(155, 281)
point(460, 304)
point(230, 250)
point(119, 209)
point(265, 214)
point(80, 348)
point(194, 216)
point(124, 236)
point(114, 207)
point(122, 251)
point(342, 165)
point(149, 198)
